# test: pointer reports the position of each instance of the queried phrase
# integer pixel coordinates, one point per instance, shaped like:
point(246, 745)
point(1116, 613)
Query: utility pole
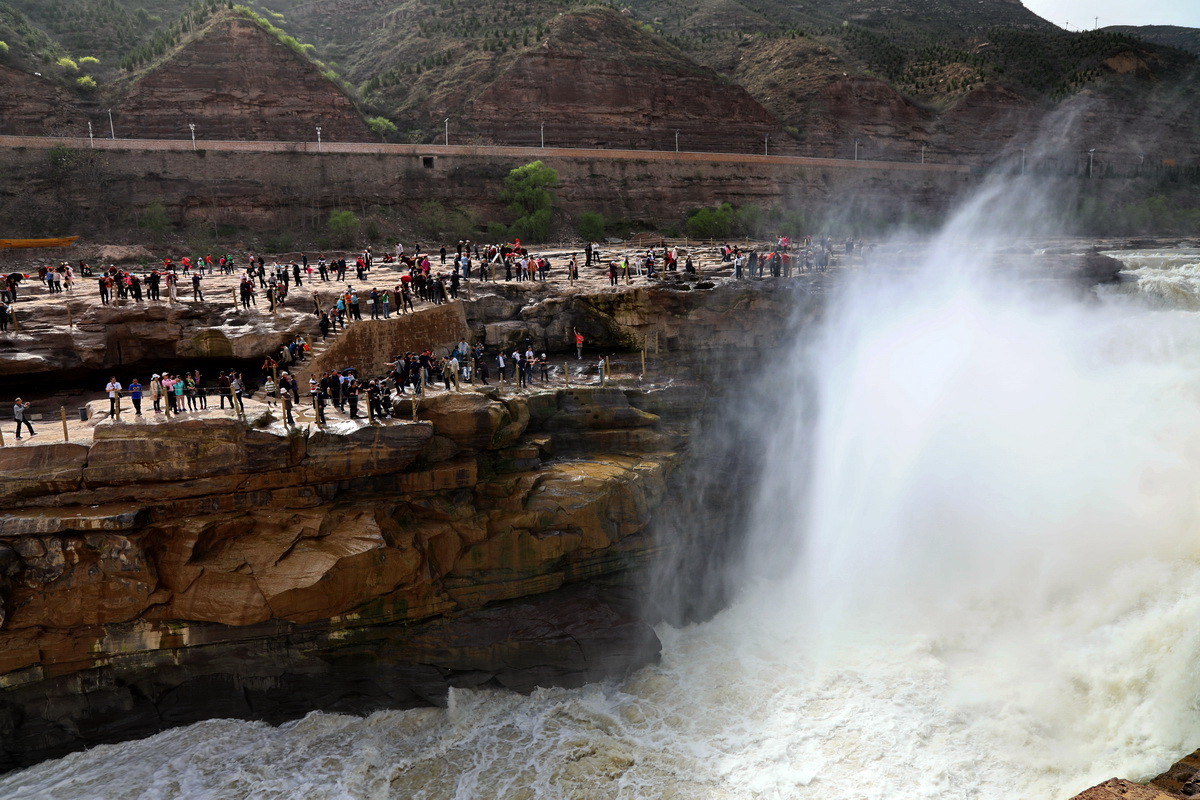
point(318, 138)
point(766, 141)
point(1091, 160)
point(91, 140)
point(922, 154)
point(543, 134)
point(676, 141)
point(192, 127)
point(856, 149)
point(1022, 160)
point(447, 130)
point(112, 131)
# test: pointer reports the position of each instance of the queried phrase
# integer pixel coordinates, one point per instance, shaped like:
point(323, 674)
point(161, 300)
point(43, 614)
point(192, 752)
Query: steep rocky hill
point(234, 80)
point(952, 77)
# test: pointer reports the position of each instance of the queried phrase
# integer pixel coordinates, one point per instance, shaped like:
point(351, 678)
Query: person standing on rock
point(197, 295)
point(21, 415)
point(324, 326)
point(135, 396)
point(156, 392)
point(114, 393)
point(352, 390)
point(578, 344)
point(285, 402)
point(319, 406)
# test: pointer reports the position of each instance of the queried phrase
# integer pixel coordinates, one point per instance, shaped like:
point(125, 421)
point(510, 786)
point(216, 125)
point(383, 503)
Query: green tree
point(68, 64)
point(527, 193)
point(90, 61)
point(87, 83)
point(711, 223)
point(154, 219)
point(3, 47)
point(591, 226)
point(343, 227)
point(382, 127)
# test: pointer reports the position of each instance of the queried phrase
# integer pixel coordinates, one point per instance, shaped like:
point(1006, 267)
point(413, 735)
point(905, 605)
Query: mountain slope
point(235, 80)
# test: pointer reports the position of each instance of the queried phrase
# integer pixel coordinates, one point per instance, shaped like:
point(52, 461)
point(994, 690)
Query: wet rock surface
point(176, 570)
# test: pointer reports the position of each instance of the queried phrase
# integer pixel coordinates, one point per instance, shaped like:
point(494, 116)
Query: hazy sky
point(1081, 13)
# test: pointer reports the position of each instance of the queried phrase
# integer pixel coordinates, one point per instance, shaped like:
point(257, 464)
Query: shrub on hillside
point(382, 127)
point(343, 227)
point(591, 226)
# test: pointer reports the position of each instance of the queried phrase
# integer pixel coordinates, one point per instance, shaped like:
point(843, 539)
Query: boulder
point(475, 420)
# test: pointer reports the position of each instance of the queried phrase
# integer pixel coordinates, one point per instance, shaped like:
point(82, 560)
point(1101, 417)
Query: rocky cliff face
point(65, 336)
point(598, 80)
point(236, 81)
point(33, 106)
point(145, 579)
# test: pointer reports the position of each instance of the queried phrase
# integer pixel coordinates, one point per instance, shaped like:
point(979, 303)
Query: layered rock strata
point(178, 570)
point(234, 80)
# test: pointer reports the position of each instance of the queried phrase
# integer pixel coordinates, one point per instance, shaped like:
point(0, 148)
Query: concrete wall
point(67, 185)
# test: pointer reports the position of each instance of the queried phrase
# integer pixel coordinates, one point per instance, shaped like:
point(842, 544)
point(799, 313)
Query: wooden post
point(656, 343)
point(118, 405)
point(63, 411)
point(1, 437)
point(643, 359)
point(414, 406)
point(607, 369)
point(233, 394)
point(70, 319)
point(12, 315)
point(275, 377)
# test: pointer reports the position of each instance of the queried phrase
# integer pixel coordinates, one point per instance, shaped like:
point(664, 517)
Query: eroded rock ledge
point(170, 572)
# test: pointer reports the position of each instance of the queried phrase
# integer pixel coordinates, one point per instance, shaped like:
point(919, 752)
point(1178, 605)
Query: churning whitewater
point(972, 573)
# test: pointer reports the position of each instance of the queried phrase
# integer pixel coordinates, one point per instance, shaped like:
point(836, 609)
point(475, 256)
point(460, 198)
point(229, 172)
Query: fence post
point(1, 438)
point(63, 410)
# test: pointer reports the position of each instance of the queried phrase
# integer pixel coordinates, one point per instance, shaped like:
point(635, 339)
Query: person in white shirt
point(114, 391)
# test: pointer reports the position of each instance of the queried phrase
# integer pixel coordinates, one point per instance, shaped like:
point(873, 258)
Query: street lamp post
point(192, 128)
point(447, 121)
point(318, 138)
